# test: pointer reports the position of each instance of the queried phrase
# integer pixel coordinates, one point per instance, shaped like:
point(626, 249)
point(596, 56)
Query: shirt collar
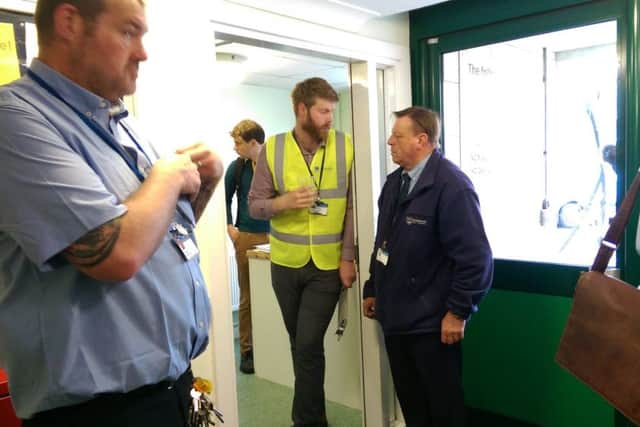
point(81, 99)
point(417, 170)
point(118, 111)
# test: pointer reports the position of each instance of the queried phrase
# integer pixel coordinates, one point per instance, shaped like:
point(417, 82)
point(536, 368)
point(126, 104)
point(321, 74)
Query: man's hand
point(207, 161)
point(233, 232)
point(452, 329)
point(210, 169)
point(369, 307)
point(347, 273)
point(303, 197)
point(179, 168)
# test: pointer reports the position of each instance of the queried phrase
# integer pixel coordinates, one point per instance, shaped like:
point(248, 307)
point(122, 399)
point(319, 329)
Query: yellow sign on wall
point(9, 64)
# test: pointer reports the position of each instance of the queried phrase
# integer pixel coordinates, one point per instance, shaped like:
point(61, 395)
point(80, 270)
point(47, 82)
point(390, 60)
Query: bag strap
point(610, 241)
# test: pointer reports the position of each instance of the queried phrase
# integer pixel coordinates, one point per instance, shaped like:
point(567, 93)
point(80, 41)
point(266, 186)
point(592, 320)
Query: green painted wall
point(509, 363)
point(510, 344)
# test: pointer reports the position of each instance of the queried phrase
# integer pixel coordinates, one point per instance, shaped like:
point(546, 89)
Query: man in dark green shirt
point(248, 137)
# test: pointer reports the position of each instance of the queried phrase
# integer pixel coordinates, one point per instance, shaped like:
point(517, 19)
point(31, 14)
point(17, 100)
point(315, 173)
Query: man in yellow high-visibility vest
point(302, 184)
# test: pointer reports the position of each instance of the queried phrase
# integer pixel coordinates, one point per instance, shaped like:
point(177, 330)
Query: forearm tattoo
point(206, 191)
point(95, 246)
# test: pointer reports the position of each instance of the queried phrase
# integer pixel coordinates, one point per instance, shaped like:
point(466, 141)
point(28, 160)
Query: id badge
point(183, 241)
point(319, 208)
point(382, 256)
point(187, 248)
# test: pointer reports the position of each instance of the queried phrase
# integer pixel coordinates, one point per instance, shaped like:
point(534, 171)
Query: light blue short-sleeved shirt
point(65, 337)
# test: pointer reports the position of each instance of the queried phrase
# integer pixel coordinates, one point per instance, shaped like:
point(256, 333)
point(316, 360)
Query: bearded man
point(302, 185)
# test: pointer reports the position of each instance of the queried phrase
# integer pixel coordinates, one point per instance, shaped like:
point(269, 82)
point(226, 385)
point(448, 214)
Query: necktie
point(404, 187)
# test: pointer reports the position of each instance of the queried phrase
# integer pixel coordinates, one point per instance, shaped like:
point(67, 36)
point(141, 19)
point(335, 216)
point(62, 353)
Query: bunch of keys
point(201, 406)
point(343, 306)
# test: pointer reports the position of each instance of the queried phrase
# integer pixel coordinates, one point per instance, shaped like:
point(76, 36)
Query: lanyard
point(99, 130)
point(324, 155)
point(104, 134)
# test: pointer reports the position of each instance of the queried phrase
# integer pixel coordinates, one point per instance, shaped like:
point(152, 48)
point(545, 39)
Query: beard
point(316, 132)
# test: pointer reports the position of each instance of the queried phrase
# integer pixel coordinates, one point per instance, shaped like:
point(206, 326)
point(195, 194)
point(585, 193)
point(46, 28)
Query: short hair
point(308, 90)
point(88, 9)
point(247, 130)
point(423, 119)
point(43, 16)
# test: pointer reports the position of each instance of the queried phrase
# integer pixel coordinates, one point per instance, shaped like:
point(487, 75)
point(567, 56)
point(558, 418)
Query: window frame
point(427, 64)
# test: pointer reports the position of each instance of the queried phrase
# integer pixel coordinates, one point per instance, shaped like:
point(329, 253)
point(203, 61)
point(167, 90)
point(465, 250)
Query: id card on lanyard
point(181, 238)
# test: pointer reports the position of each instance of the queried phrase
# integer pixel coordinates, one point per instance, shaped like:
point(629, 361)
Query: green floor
point(266, 404)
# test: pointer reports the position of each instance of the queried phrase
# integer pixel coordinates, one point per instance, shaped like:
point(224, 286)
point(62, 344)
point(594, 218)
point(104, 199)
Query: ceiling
point(337, 12)
point(269, 67)
point(260, 65)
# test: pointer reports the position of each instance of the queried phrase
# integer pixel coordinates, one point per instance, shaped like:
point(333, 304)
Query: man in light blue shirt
point(102, 301)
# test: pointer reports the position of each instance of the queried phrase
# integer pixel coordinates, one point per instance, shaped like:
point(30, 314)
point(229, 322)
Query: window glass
point(532, 122)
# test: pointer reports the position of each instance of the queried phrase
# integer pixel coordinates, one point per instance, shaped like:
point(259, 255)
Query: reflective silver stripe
point(290, 238)
point(333, 194)
point(322, 239)
point(279, 162)
point(341, 163)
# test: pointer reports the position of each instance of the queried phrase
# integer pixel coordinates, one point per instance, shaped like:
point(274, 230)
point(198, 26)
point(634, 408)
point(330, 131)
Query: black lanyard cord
point(324, 155)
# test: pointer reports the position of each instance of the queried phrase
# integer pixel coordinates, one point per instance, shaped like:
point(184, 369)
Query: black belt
point(107, 402)
point(183, 382)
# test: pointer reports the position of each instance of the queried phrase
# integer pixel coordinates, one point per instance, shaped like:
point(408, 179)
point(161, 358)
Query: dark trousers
point(427, 375)
point(307, 298)
point(165, 404)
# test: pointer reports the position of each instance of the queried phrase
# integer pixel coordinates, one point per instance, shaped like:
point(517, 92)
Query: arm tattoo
point(206, 191)
point(95, 246)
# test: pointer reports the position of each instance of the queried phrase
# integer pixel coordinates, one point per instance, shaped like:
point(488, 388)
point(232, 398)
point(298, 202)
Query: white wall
point(270, 107)
point(392, 29)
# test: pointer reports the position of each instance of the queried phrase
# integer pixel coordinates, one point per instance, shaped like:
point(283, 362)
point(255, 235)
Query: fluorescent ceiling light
point(355, 7)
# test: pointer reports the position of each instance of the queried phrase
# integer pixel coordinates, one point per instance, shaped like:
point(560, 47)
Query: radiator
point(233, 283)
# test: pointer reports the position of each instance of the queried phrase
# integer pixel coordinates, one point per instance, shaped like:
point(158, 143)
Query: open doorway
point(255, 82)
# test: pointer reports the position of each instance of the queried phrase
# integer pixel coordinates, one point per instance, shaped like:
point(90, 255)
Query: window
point(532, 122)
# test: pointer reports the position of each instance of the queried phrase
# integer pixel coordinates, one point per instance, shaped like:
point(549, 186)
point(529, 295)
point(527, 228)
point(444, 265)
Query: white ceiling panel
point(269, 81)
point(336, 76)
point(274, 68)
point(387, 7)
point(351, 14)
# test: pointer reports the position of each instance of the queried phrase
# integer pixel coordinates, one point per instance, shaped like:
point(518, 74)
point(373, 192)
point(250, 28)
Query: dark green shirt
point(244, 222)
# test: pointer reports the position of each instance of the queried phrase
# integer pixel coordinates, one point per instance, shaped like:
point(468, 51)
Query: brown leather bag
point(601, 341)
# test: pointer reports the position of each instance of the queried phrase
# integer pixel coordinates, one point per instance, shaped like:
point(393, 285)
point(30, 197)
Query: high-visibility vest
point(296, 235)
